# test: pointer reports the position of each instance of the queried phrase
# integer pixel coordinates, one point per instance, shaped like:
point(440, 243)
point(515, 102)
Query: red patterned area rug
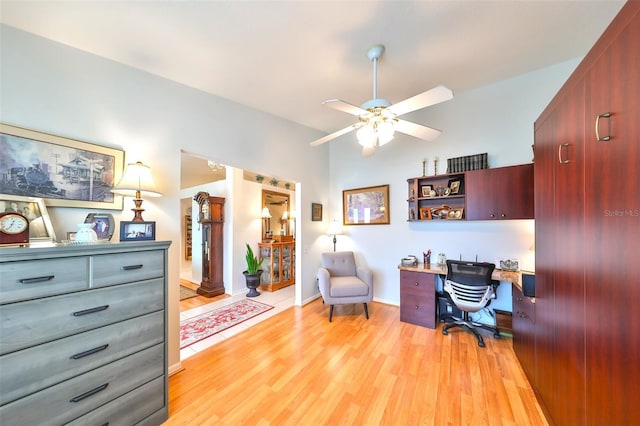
point(206, 325)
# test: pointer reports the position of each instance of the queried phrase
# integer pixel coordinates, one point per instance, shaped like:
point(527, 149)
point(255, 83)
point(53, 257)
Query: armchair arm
point(366, 275)
point(323, 282)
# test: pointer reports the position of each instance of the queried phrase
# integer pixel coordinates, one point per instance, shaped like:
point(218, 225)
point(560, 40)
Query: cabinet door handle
point(417, 284)
point(90, 311)
point(417, 307)
point(599, 138)
point(131, 267)
point(89, 352)
point(562, 145)
point(36, 279)
point(87, 394)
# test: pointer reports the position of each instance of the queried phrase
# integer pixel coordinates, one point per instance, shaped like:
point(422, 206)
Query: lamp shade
point(136, 181)
point(266, 214)
point(334, 228)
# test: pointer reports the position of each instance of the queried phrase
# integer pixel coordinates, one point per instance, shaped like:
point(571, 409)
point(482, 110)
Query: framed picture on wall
point(64, 172)
point(316, 212)
point(366, 206)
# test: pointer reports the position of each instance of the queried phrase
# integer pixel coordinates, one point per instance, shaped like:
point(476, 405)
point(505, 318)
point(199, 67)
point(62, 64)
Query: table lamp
point(135, 182)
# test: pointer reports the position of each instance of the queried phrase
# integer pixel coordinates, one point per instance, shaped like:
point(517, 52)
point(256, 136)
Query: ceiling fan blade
point(430, 97)
point(368, 151)
point(335, 134)
point(343, 106)
point(416, 130)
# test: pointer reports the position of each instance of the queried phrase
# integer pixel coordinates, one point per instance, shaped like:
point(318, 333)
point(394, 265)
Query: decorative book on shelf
point(467, 162)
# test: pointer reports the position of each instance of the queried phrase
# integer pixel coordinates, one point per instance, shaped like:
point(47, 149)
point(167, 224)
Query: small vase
point(86, 234)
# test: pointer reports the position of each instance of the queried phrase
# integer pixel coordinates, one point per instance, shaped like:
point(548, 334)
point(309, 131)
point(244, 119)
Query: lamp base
point(137, 211)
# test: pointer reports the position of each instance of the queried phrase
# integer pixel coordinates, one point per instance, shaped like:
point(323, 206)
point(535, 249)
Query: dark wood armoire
point(587, 209)
point(211, 219)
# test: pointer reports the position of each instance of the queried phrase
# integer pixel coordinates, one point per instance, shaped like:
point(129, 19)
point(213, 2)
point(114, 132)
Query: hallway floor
point(280, 300)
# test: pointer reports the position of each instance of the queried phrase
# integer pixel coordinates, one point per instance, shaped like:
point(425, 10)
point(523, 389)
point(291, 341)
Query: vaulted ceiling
point(285, 58)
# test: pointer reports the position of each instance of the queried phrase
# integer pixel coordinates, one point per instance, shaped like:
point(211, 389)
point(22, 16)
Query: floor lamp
point(334, 229)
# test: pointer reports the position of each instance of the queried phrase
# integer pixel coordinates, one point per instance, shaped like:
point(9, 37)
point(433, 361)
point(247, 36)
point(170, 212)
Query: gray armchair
point(341, 282)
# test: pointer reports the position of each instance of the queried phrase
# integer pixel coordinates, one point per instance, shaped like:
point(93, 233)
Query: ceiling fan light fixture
point(366, 136)
point(385, 132)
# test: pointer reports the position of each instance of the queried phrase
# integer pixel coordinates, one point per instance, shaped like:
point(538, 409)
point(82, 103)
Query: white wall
point(53, 88)
point(496, 119)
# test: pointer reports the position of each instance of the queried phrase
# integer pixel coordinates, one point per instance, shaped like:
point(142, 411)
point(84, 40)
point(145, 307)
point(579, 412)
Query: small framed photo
point(425, 213)
point(71, 236)
point(426, 191)
point(316, 212)
point(455, 186)
point(137, 231)
point(103, 224)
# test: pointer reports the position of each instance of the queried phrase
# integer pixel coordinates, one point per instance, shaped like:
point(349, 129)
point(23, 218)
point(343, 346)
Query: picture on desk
point(426, 191)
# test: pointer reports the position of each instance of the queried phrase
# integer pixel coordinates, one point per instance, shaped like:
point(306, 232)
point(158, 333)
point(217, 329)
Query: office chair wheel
point(481, 343)
point(444, 331)
point(496, 335)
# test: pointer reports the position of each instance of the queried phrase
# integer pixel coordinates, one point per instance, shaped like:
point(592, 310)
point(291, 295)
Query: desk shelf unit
point(419, 199)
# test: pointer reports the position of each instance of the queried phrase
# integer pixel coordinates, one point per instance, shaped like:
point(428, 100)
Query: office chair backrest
point(469, 284)
point(470, 273)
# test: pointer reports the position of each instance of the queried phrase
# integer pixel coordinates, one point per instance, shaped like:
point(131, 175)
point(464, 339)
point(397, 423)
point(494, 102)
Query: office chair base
point(472, 327)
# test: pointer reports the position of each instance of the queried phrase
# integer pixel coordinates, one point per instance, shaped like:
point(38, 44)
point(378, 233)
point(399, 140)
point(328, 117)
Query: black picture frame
point(137, 231)
point(456, 186)
point(103, 224)
point(316, 212)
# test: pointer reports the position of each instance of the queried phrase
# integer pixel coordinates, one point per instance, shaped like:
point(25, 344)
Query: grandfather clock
point(211, 219)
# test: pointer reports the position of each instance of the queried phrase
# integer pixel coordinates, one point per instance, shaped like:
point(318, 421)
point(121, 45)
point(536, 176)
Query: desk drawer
point(42, 320)
point(69, 400)
point(27, 371)
point(130, 408)
point(418, 298)
point(119, 268)
point(41, 278)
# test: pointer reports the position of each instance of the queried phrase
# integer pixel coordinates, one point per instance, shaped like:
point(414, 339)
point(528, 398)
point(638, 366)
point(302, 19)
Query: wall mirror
point(277, 205)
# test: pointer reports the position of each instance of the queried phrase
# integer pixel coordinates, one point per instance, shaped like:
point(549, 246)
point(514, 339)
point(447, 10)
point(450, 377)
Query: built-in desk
point(418, 291)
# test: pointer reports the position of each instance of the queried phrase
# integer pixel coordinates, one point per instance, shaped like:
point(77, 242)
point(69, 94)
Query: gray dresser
point(83, 334)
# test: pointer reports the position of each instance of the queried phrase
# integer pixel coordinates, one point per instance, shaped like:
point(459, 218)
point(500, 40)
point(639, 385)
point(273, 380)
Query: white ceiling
point(285, 58)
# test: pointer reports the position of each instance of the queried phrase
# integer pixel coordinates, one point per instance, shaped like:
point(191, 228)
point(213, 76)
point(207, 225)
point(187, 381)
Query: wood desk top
point(498, 274)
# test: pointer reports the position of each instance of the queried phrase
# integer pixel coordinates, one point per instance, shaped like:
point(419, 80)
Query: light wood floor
point(194, 302)
point(296, 368)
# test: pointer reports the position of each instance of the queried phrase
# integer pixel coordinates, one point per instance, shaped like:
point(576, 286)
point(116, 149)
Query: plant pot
point(253, 282)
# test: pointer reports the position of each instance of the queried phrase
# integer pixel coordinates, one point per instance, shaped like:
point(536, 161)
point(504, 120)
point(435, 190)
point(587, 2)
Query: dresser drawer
point(131, 408)
point(110, 269)
point(26, 324)
point(75, 397)
point(40, 278)
point(27, 371)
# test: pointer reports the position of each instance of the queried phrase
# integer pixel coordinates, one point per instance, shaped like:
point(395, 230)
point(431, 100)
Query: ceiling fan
point(378, 119)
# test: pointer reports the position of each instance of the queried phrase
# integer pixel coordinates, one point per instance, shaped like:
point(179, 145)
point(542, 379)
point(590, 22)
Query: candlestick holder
point(435, 166)
point(424, 167)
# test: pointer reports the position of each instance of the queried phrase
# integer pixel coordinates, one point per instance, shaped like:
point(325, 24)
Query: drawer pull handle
point(36, 279)
point(89, 352)
point(417, 283)
point(598, 117)
point(131, 267)
point(87, 394)
point(417, 307)
point(90, 311)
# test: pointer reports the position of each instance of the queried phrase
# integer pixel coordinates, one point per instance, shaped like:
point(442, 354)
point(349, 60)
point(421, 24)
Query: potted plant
point(253, 272)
